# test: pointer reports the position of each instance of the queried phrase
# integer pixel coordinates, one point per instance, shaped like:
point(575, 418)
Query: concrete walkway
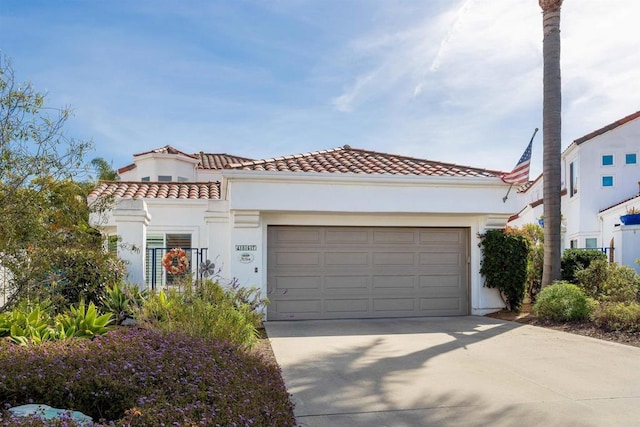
point(467, 371)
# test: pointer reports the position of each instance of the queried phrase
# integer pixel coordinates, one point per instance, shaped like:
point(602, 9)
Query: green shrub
point(609, 282)
point(618, 316)
point(206, 310)
point(563, 302)
point(81, 275)
point(535, 257)
point(623, 284)
point(504, 265)
point(592, 279)
point(578, 259)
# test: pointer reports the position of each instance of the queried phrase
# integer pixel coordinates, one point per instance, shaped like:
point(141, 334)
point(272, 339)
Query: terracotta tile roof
point(206, 160)
point(353, 160)
point(607, 128)
point(157, 190)
point(127, 168)
point(637, 196)
point(527, 185)
point(218, 161)
point(167, 149)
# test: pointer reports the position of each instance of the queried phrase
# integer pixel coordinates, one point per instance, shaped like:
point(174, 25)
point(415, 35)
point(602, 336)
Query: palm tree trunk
point(551, 129)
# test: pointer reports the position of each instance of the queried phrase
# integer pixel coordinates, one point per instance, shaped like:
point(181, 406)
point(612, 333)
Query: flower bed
point(143, 377)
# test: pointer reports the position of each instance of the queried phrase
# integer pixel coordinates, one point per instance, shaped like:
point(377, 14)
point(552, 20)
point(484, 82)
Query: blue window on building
point(607, 160)
point(607, 181)
point(631, 159)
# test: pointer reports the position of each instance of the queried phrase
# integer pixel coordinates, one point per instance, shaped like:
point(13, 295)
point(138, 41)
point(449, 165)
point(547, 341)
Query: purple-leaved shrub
point(141, 377)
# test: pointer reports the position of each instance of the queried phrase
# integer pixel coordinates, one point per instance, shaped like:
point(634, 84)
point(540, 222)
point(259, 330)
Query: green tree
point(104, 169)
point(551, 125)
point(43, 210)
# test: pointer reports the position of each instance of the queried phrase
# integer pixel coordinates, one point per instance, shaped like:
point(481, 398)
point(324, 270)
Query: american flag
point(520, 174)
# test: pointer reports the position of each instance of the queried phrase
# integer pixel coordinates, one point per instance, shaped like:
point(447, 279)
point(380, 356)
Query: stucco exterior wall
point(235, 229)
point(257, 201)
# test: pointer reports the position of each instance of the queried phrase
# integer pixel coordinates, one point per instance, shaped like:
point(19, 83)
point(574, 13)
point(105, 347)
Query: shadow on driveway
point(452, 371)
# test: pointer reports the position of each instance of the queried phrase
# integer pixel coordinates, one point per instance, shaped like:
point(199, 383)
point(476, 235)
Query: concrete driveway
point(454, 371)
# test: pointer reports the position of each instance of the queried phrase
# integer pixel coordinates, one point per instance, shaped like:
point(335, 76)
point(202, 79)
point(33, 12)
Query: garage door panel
point(441, 281)
point(393, 258)
point(339, 283)
point(347, 305)
point(440, 238)
point(394, 282)
point(364, 272)
point(446, 258)
point(398, 236)
point(439, 304)
point(346, 235)
point(346, 259)
point(298, 235)
point(297, 259)
point(289, 283)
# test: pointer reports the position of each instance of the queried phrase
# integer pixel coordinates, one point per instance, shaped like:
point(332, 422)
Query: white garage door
point(364, 272)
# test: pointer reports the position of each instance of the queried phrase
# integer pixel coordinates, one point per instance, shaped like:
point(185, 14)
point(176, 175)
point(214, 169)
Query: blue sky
point(454, 81)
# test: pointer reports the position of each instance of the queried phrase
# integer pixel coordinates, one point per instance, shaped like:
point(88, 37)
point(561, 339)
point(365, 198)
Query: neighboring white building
point(337, 233)
point(600, 181)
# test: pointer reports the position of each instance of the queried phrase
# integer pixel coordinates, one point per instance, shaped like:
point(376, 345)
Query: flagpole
point(506, 196)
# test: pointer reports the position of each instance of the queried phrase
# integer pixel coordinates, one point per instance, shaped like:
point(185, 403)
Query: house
point(600, 179)
point(338, 233)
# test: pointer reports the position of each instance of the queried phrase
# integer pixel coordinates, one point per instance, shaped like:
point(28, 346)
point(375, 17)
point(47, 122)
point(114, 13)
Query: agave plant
point(27, 326)
point(83, 322)
point(121, 301)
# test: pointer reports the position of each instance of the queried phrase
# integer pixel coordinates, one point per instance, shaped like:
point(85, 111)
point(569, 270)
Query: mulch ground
point(580, 328)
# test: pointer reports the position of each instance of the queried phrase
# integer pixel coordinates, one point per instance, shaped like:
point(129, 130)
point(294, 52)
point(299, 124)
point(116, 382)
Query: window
point(607, 181)
point(164, 178)
point(183, 179)
point(591, 243)
point(573, 179)
point(607, 160)
point(157, 246)
point(573, 244)
point(145, 179)
point(631, 159)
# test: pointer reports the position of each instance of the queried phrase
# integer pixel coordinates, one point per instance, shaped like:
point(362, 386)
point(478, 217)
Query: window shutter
point(154, 241)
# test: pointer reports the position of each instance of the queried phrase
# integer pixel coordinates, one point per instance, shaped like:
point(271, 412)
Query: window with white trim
point(630, 158)
point(591, 243)
point(607, 181)
point(607, 160)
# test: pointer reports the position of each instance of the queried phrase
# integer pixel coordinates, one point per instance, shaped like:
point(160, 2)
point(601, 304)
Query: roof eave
point(252, 175)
